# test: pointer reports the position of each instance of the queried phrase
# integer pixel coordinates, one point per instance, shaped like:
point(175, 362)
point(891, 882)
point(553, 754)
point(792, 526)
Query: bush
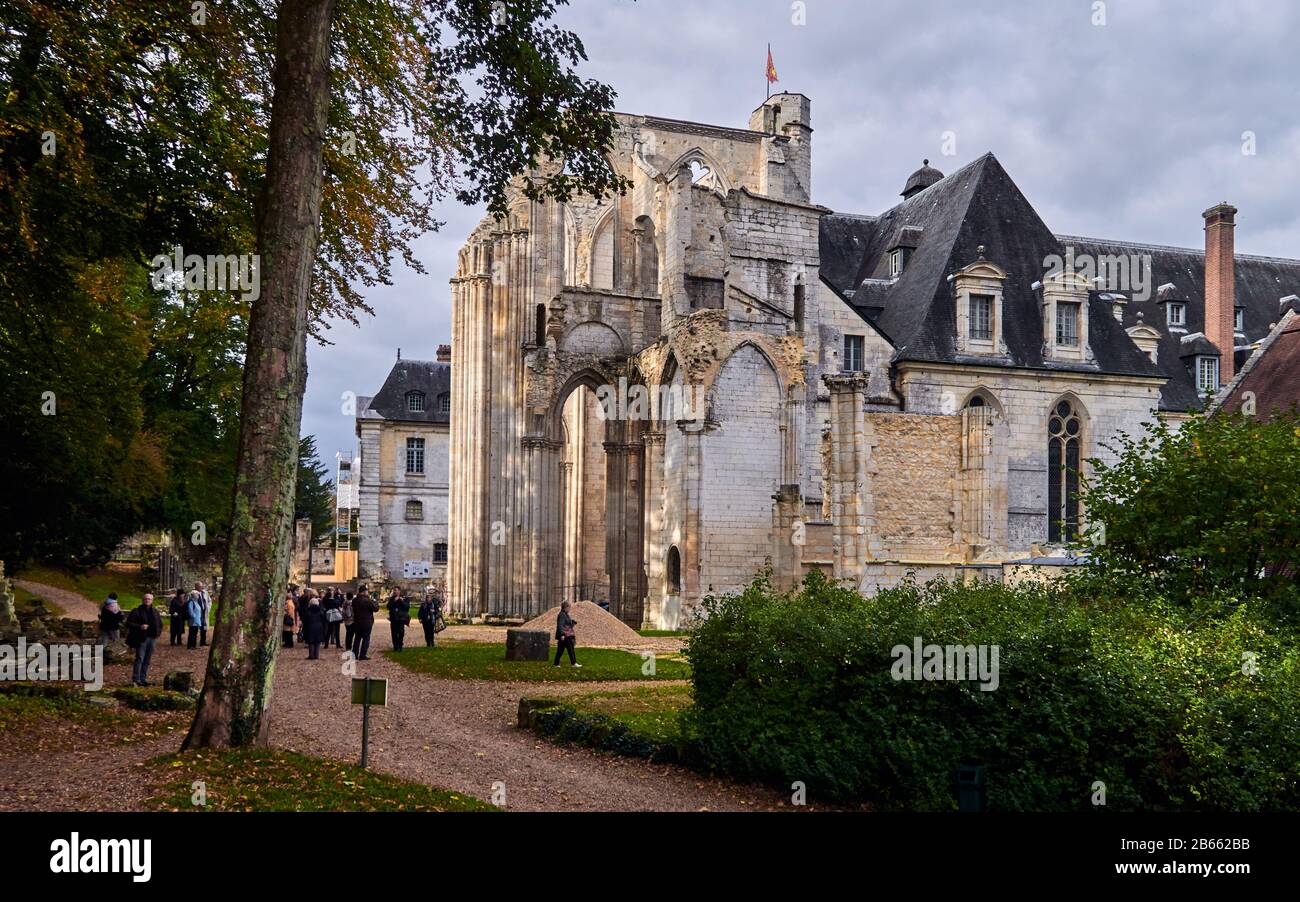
point(799, 686)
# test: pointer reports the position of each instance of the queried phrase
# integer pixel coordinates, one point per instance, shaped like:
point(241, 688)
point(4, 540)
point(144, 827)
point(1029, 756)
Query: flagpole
point(767, 81)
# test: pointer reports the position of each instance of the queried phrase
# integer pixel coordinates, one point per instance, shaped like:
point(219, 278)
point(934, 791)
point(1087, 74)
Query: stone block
point(527, 645)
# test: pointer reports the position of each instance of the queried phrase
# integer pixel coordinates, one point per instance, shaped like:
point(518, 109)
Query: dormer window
point(1239, 320)
point(444, 403)
point(1067, 324)
point(981, 317)
point(415, 402)
point(1176, 313)
point(1207, 375)
point(897, 260)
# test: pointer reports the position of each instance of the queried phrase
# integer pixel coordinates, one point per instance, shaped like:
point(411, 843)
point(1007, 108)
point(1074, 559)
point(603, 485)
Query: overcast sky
point(1124, 130)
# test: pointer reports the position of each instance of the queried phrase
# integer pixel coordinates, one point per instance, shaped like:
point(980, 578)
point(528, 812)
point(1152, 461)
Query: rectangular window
point(1177, 314)
point(440, 552)
point(896, 262)
point(1207, 374)
point(852, 354)
point(1239, 320)
point(1067, 324)
point(981, 317)
point(415, 402)
point(415, 455)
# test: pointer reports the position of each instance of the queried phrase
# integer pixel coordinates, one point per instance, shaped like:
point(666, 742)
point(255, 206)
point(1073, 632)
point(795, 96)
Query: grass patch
point(51, 723)
point(276, 780)
point(656, 634)
point(650, 711)
point(93, 584)
point(487, 661)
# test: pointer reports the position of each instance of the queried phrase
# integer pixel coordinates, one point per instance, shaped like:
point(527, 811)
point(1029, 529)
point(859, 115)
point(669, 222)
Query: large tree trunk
point(237, 692)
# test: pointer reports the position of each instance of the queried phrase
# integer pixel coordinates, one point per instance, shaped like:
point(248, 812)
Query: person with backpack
point(430, 613)
point(194, 616)
point(364, 609)
point(205, 605)
point(143, 627)
point(110, 620)
point(332, 607)
point(313, 627)
point(565, 636)
point(177, 614)
point(399, 615)
point(349, 629)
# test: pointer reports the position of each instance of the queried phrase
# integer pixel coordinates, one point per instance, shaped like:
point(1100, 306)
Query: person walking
point(110, 620)
point(313, 627)
point(349, 627)
point(364, 609)
point(143, 627)
point(332, 607)
point(430, 612)
point(566, 638)
point(194, 616)
point(177, 615)
point(290, 619)
point(205, 605)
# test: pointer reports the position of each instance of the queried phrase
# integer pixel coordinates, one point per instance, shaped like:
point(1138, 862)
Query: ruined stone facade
point(659, 394)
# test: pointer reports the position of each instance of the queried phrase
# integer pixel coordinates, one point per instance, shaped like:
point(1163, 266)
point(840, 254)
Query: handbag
point(439, 625)
point(334, 615)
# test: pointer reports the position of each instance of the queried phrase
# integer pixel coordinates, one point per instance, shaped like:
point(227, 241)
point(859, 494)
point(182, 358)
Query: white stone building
point(916, 391)
point(403, 491)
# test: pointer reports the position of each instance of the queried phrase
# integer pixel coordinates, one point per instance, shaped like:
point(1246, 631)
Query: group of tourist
point(314, 619)
point(144, 625)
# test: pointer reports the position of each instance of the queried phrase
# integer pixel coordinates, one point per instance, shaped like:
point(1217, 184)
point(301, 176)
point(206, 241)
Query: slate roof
point(979, 204)
point(427, 376)
point(1272, 373)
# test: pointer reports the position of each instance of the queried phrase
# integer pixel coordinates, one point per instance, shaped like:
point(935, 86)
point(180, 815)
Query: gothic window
point(981, 317)
point(674, 571)
point(440, 552)
point(415, 402)
point(853, 346)
point(1064, 434)
point(414, 511)
point(415, 455)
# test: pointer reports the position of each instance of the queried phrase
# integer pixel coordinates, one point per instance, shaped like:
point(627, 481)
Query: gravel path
point(73, 604)
point(461, 735)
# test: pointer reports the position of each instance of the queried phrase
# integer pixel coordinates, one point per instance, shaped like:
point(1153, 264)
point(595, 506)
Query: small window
point(981, 317)
point(414, 511)
point(798, 306)
point(415, 455)
point(853, 346)
point(674, 571)
point(539, 325)
point(1067, 325)
point(1177, 314)
point(440, 552)
point(1239, 320)
point(444, 403)
point(897, 260)
point(1207, 374)
point(415, 402)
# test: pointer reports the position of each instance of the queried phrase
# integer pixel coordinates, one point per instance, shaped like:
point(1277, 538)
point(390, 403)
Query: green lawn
point(487, 661)
point(651, 634)
point(93, 584)
point(650, 711)
point(23, 600)
point(275, 780)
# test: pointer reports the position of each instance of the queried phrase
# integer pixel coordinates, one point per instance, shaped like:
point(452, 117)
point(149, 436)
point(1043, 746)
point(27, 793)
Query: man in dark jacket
point(399, 615)
point(177, 615)
point(143, 626)
point(364, 609)
point(332, 606)
point(430, 611)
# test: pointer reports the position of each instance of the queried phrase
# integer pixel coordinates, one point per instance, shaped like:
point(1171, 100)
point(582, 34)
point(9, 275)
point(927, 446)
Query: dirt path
point(461, 735)
point(71, 603)
point(451, 734)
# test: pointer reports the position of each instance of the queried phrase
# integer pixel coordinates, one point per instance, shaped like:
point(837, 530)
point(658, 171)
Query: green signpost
point(367, 691)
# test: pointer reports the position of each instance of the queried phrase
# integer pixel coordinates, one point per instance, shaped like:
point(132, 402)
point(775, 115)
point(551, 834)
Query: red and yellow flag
point(771, 66)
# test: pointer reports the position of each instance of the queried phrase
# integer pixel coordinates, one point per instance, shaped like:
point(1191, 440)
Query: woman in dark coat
point(177, 614)
point(313, 627)
point(333, 601)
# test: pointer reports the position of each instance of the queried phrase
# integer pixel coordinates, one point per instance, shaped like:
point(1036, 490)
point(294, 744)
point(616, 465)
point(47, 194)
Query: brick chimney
point(1220, 294)
point(444, 353)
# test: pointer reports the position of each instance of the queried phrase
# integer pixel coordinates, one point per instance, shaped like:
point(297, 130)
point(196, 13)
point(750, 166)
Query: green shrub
point(799, 687)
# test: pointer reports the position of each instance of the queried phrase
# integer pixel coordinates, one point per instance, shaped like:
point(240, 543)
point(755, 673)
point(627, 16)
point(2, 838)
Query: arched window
point(1064, 434)
point(414, 510)
point(647, 257)
point(415, 401)
point(674, 571)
